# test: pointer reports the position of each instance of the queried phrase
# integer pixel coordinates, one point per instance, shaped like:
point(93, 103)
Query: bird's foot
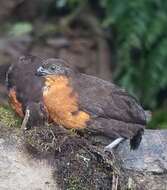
point(115, 143)
point(25, 120)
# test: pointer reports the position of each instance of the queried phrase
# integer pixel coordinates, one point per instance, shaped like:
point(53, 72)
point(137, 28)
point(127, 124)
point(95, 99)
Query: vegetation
point(74, 184)
point(8, 117)
point(141, 43)
point(159, 119)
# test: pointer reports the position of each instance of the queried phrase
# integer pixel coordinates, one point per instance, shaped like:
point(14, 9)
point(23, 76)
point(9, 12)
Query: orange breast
point(62, 103)
point(16, 105)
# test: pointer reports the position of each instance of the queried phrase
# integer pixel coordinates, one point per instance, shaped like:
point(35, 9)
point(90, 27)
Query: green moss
point(8, 117)
point(74, 184)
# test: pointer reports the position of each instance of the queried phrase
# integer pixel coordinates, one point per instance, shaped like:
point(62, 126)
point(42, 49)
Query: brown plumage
point(74, 100)
point(61, 102)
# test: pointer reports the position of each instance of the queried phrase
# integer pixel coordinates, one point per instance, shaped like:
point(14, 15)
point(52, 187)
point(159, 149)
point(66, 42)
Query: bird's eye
point(53, 67)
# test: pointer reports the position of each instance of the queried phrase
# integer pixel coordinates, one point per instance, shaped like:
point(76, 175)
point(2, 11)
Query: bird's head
point(53, 67)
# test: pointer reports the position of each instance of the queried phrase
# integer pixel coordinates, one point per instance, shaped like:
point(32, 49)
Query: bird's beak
point(41, 71)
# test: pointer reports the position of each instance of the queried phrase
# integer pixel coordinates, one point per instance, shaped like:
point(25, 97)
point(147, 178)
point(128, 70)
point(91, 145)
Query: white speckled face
point(53, 67)
point(56, 69)
point(51, 70)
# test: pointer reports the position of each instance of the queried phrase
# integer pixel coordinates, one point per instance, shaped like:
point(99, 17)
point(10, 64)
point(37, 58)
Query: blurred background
point(120, 41)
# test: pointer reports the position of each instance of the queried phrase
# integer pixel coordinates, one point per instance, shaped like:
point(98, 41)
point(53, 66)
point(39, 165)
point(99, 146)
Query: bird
point(25, 91)
point(49, 90)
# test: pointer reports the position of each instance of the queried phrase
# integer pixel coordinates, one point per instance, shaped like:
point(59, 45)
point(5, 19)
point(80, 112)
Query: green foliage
point(159, 120)
point(141, 43)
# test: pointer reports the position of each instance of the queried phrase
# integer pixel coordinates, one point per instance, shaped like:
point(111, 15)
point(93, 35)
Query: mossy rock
point(8, 117)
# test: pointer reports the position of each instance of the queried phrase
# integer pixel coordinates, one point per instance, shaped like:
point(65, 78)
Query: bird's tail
point(135, 141)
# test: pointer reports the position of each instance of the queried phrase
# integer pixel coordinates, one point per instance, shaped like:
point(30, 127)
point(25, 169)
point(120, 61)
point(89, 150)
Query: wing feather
point(113, 111)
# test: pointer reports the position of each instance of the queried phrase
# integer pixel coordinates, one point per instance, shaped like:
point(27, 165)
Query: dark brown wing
point(21, 77)
point(114, 113)
point(25, 89)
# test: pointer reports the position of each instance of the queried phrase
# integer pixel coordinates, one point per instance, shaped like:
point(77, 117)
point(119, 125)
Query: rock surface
point(151, 156)
point(17, 169)
point(148, 164)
